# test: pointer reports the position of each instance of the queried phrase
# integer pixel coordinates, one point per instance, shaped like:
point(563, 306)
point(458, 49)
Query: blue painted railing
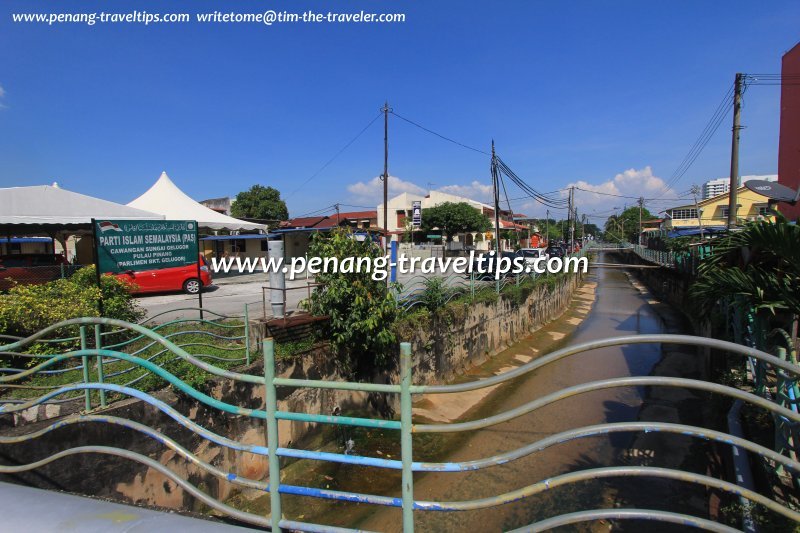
point(405, 426)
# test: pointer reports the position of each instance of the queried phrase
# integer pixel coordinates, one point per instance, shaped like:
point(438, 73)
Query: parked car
point(555, 250)
point(181, 278)
point(29, 269)
point(530, 254)
point(477, 265)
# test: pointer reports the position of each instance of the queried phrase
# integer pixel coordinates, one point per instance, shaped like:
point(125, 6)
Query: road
point(226, 297)
point(229, 294)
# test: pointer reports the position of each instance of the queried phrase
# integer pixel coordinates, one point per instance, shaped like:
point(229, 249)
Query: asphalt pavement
point(226, 296)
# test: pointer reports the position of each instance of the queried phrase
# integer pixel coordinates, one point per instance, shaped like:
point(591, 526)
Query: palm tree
point(760, 263)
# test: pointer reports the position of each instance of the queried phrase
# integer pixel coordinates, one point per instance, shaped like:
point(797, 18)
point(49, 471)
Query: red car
point(182, 278)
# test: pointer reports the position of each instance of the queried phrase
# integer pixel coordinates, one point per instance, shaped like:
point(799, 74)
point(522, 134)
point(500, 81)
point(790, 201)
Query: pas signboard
point(136, 245)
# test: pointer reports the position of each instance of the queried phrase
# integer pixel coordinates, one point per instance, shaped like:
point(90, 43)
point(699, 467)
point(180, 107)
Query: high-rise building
point(722, 185)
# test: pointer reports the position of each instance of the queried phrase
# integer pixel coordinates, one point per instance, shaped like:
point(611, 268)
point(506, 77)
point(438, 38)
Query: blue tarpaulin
point(690, 232)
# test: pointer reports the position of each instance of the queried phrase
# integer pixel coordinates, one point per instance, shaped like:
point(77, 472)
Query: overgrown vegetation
point(760, 265)
point(26, 309)
point(361, 309)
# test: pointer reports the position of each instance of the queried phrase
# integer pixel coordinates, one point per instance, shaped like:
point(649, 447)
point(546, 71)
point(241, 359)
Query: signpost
point(137, 245)
point(416, 214)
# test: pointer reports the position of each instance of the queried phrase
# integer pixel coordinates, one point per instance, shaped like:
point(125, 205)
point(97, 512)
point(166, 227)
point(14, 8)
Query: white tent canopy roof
point(48, 205)
point(165, 198)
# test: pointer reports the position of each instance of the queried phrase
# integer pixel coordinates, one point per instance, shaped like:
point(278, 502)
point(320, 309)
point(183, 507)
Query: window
point(724, 210)
point(763, 210)
point(238, 245)
point(683, 214)
point(401, 219)
point(264, 245)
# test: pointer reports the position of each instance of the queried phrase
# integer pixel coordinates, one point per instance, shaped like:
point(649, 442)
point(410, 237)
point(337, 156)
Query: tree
point(259, 202)
point(453, 218)
point(625, 226)
point(361, 309)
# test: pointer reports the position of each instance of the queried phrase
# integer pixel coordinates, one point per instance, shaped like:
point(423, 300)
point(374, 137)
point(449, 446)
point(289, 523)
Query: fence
point(225, 339)
point(405, 426)
point(416, 290)
point(748, 329)
point(11, 275)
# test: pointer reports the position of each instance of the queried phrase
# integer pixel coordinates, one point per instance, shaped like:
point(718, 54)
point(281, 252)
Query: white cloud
point(474, 191)
point(2, 97)
point(603, 197)
point(371, 192)
point(631, 183)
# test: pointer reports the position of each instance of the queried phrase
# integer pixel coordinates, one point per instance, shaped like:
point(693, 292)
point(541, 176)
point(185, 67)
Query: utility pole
point(583, 228)
point(496, 186)
point(734, 178)
point(386, 110)
point(695, 192)
point(337, 214)
point(641, 204)
point(547, 228)
point(571, 219)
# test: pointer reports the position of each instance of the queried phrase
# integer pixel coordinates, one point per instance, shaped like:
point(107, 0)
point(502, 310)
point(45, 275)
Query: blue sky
point(570, 91)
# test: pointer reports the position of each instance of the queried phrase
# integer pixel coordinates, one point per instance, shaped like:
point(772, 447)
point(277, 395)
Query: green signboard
point(434, 237)
point(136, 245)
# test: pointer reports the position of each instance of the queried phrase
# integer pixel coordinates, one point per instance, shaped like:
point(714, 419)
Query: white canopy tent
point(165, 198)
point(49, 208)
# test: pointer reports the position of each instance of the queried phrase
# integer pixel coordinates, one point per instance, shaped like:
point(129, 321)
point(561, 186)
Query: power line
point(332, 159)
point(448, 139)
point(623, 196)
point(318, 212)
point(705, 136)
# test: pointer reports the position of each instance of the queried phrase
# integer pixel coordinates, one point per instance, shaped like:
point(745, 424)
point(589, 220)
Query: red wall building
point(789, 144)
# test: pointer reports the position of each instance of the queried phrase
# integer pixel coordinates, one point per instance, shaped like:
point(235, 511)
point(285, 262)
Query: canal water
point(619, 306)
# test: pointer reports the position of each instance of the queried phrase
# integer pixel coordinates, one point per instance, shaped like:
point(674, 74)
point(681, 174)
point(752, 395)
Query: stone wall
point(450, 345)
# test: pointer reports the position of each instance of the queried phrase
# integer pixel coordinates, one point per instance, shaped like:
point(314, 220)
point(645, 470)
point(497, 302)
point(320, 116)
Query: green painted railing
point(404, 498)
point(228, 335)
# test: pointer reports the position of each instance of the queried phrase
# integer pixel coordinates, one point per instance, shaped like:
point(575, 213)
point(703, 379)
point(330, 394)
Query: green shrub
point(26, 309)
point(361, 309)
point(435, 294)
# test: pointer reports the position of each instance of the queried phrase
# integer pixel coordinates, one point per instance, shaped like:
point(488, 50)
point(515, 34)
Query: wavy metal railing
point(745, 327)
point(236, 343)
point(406, 428)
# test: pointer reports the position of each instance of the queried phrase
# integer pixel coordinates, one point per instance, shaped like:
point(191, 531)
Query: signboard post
point(137, 245)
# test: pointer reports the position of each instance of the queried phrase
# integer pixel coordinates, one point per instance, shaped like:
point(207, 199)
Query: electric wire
point(444, 137)
point(332, 159)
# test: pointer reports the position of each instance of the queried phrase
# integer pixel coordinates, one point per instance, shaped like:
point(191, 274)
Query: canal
point(611, 303)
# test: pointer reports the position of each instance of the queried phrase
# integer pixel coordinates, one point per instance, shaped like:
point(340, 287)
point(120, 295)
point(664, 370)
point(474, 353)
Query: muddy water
point(619, 306)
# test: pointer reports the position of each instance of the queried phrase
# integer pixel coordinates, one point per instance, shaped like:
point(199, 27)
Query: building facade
point(401, 209)
point(714, 211)
point(789, 143)
point(722, 185)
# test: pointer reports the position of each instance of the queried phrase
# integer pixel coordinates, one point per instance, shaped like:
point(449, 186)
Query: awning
point(48, 209)
point(165, 198)
point(249, 236)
